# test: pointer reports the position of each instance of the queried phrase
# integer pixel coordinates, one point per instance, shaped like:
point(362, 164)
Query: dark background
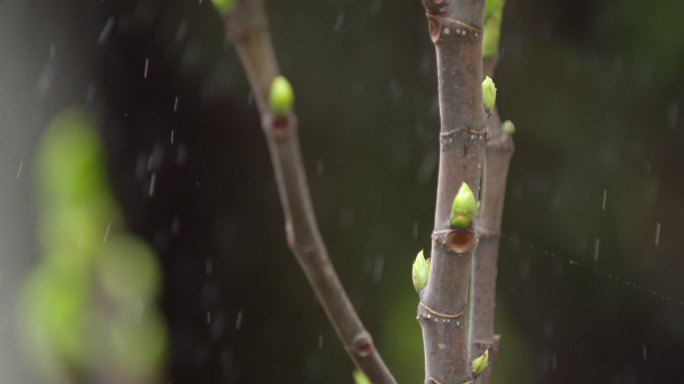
point(594, 88)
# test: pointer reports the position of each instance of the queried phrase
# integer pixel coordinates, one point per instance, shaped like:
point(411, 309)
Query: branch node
point(473, 134)
point(439, 25)
point(502, 142)
point(483, 232)
point(461, 28)
point(434, 27)
point(362, 345)
point(280, 126)
point(435, 7)
point(459, 241)
point(239, 29)
point(438, 316)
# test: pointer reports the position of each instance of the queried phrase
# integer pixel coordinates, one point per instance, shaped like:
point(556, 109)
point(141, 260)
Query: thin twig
point(498, 154)
point(456, 31)
point(246, 26)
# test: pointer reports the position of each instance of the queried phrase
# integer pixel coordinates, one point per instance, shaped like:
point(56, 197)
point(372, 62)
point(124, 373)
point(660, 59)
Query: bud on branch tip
point(508, 127)
point(488, 93)
point(464, 208)
point(223, 6)
point(420, 272)
point(281, 97)
point(481, 363)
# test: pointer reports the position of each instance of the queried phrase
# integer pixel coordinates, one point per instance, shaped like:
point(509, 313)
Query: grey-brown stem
point(498, 154)
point(246, 26)
point(455, 29)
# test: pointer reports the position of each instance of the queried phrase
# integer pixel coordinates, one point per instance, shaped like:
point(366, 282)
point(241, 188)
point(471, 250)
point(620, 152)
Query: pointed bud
point(481, 363)
point(420, 272)
point(360, 378)
point(281, 98)
point(488, 93)
point(464, 208)
point(508, 127)
point(223, 6)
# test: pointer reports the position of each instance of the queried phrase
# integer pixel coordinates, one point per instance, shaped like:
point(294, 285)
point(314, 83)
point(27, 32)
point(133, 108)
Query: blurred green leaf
point(55, 316)
point(138, 346)
point(70, 160)
point(127, 269)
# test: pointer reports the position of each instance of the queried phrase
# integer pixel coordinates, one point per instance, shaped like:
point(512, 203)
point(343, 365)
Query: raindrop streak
point(153, 181)
point(415, 230)
point(673, 114)
point(554, 362)
point(139, 309)
point(175, 104)
point(21, 165)
point(181, 155)
point(238, 321)
point(172, 136)
point(182, 31)
point(320, 342)
point(644, 352)
point(175, 226)
point(320, 168)
point(208, 267)
point(339, 22)
point(605, 196)
point(657, 234)
point(597, 245)
point(90, 93)
point(208, 317)
point(147, 67)
point(105, 31)
point(378, 266)
point(106, 235)
point(618, 279)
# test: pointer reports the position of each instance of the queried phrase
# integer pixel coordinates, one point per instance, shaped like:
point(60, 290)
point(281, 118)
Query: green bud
point(492, 28)
point(464, 208)
point(281, 98)
point(481, 363)
point(223, 6)
point(492, 7)
point(508, 127)
point(420, 272)
point(360, 378)
point(488, 93)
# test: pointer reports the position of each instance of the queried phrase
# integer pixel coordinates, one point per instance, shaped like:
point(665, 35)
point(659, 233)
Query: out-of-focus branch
point(246, 26)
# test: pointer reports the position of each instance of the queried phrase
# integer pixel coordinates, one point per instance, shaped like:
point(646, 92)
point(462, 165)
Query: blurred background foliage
point(88, 306)
point(593, 87)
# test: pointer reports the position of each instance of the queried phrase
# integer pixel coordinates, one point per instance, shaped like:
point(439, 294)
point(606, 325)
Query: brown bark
point(246, 26)
point(498, 154)
point(455, 29)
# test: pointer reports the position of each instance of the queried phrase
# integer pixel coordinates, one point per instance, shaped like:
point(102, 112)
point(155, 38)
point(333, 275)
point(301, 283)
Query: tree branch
point(246, 26)
point(498, 154)
point(456, 30)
